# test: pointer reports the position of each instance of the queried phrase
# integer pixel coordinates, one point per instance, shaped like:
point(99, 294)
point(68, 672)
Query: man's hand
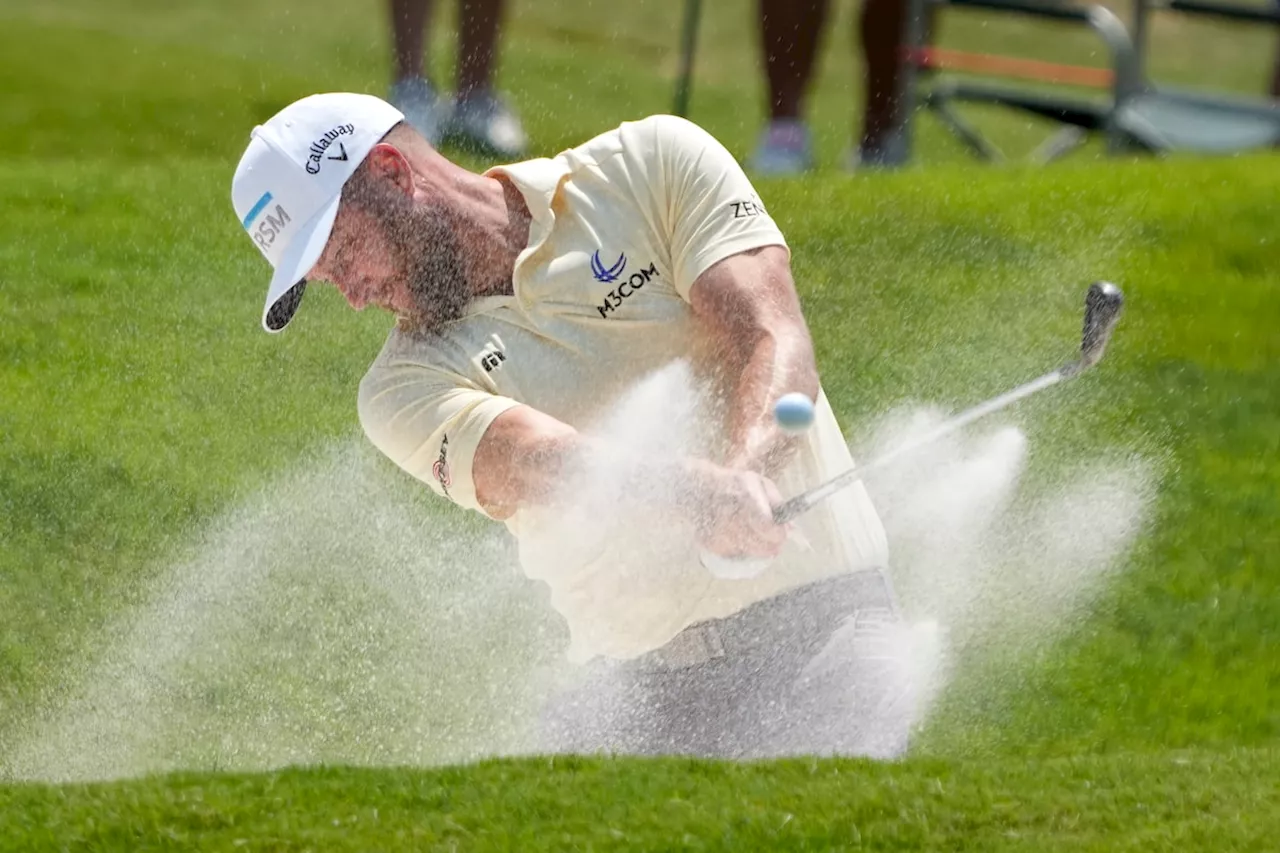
point(526, 456)
point(732, 511)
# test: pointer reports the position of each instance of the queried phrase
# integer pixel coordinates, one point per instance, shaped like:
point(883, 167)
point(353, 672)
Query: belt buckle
point(692, 647)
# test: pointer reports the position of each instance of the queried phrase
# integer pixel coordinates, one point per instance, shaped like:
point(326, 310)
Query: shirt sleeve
point(429, 425)
point(707, 205)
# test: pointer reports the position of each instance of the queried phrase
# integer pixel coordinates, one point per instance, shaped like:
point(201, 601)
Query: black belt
point(800, 618)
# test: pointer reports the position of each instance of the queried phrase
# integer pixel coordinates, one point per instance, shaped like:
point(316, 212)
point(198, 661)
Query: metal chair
point(1165, 118)
point(688, 45)
point(1080, 115)
point(1132, 114)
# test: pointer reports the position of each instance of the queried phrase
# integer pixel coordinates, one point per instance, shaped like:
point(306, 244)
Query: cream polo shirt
point(621, 228)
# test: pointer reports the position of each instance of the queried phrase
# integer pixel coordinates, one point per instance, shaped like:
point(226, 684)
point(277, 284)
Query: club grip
point(787, 510)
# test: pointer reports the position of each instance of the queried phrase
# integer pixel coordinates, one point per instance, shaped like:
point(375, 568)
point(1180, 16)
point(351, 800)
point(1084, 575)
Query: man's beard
point(433, 269)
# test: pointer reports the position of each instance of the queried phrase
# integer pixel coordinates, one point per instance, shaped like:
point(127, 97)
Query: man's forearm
point(761, 349)
point(522, 459)
point(527, 458)
point(774, 362)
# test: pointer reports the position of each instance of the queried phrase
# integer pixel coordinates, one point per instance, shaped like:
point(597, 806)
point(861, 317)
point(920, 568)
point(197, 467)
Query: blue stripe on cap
point(255, 210)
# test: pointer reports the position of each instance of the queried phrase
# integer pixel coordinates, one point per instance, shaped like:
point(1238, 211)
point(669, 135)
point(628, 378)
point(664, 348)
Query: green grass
point(1129, 801)
point(140, 406)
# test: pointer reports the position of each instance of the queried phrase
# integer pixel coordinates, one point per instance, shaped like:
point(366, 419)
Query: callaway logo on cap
point(289, 182)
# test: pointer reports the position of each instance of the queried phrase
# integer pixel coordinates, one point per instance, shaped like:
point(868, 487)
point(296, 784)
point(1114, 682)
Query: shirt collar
point(538, 181)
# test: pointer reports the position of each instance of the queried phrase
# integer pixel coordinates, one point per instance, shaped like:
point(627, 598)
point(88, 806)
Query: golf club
point(1102, 306)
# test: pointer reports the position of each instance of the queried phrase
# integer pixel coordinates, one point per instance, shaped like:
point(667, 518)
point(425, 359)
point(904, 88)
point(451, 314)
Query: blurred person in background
point(790, 34)
point(476, 119)
point(1275, 79)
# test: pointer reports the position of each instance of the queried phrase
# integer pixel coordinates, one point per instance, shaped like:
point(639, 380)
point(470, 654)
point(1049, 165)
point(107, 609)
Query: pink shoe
point(784, 149)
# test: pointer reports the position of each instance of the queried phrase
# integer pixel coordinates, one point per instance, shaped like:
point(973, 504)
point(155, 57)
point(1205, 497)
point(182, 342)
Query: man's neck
point(493, 228)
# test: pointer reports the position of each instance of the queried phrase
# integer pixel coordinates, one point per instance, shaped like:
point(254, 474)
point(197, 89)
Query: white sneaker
point(421, 105)
point(484, 124)
point(784, 149)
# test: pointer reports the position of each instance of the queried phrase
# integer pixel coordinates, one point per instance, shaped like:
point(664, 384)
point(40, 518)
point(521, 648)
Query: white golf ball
point(793, 412)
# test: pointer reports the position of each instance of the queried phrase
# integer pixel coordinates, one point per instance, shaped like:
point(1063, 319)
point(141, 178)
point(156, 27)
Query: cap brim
point(284, 294)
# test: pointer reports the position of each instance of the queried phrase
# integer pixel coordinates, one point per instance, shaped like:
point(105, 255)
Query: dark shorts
point(815, 670)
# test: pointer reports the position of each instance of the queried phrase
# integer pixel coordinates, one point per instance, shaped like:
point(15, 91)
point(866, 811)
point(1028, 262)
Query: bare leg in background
point(477, 120)
point(408, 35)
point(790, 34)
point(881, 30)
point(478, 24)
point(790, 31)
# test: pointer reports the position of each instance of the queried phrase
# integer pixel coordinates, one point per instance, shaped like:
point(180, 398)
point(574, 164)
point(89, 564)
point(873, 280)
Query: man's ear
point(388, 164)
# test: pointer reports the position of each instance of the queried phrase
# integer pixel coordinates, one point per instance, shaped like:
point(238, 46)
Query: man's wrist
point(767, 455)
point(695, 493)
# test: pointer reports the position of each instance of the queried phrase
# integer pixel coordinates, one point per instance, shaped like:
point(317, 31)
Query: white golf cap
point(289, 182)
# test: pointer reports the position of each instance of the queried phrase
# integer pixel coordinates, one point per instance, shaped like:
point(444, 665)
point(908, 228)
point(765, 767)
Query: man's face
point(389, 250)
point(361, 261)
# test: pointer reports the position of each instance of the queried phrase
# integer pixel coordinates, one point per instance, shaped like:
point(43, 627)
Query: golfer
point(529, 302)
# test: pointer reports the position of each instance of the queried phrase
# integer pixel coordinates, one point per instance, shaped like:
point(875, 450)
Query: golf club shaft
point(803, 502)
point(1102, 305)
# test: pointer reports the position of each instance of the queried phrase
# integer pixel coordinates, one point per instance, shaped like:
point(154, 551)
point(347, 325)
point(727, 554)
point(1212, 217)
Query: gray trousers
point(816, 670)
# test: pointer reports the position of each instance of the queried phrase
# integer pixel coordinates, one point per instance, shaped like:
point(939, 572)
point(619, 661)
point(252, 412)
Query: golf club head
point(1102, 305)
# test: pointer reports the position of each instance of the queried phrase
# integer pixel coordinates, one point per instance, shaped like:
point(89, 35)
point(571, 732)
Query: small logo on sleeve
point(746, 209)
point(440, 470)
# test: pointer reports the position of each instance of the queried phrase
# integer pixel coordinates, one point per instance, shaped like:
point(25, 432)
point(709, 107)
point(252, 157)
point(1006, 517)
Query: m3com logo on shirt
point(614, 298)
